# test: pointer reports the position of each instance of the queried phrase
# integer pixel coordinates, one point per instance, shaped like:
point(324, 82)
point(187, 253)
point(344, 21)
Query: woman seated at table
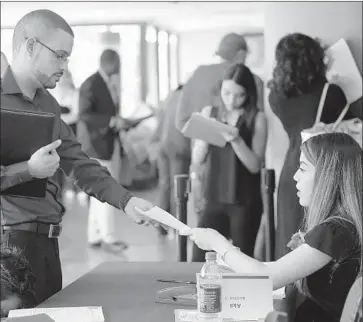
point(325, 265)
point(16, 280)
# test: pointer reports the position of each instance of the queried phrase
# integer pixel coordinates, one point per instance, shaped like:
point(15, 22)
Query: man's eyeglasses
point(61, 57)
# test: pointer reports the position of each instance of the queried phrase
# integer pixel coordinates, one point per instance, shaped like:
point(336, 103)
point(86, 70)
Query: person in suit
point(98, 126)
point(4, 64)
point(197, 92)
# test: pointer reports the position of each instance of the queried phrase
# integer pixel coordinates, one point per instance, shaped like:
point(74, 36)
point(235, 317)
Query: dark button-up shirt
point(90, 176)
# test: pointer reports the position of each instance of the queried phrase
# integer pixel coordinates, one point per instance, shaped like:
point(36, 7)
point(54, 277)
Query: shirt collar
point(11, 87)
point(104, 76)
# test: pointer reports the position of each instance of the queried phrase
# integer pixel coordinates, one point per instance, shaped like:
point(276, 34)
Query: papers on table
point(186, 315)
point(33, 318)
point(208, 130)
point(164, 217)
point(192, 316)
point(343, 70)
point(63, 314)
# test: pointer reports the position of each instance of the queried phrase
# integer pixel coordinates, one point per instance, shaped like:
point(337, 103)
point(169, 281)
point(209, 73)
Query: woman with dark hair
point(231, 175)
point(296, 88)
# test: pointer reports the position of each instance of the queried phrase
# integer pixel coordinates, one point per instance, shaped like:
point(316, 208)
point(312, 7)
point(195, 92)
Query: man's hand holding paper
point(164, 218)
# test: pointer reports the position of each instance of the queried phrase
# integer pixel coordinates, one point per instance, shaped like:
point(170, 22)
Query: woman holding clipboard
point(231, 176)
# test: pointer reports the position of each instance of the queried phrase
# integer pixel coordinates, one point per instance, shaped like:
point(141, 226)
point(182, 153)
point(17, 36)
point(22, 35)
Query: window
point(89, 43)
point(152, 96)
point(174, 61)
point(163, 52)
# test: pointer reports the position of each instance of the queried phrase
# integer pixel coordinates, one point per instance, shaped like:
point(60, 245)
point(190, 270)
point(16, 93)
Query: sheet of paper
point(33, 318)
point(343, 70)
point(186, 315)
point(62, 314)
point(192, 316)
point(207, 129)
point(164, 217)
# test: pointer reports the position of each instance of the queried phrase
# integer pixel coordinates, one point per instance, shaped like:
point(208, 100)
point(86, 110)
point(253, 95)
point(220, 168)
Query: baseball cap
point(230, 45)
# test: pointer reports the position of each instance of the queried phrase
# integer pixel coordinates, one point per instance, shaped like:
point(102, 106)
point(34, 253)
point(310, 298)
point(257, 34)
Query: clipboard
point(23, 133)
point(207, 129)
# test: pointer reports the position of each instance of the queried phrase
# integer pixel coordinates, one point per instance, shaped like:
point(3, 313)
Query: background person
point(197, 91)
point(296, 88)
point(231, 180)
point(98, 126)
point(172, 152)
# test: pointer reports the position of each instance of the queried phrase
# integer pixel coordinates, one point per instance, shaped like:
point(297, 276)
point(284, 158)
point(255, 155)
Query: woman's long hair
point(337, 192)
point(300, 65)
point(242, 76)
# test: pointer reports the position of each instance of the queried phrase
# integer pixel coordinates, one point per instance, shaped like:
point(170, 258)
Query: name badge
point(246, 296)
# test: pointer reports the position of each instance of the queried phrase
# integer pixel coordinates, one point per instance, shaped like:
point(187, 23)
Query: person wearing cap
point(203, 89)
point(199, 89)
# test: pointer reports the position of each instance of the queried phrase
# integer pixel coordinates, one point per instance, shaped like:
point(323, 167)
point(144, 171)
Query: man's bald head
point(38, 24)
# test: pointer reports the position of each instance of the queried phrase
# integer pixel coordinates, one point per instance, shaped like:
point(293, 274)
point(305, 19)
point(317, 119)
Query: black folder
point(23, 133)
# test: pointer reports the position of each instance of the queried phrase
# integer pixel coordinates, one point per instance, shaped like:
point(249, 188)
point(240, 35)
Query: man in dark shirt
point(42, 43)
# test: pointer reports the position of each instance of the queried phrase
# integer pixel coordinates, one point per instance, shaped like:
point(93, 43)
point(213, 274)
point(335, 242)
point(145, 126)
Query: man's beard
point(45, 81)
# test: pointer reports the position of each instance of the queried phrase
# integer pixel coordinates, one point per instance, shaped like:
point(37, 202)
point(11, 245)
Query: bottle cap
point(210, 256)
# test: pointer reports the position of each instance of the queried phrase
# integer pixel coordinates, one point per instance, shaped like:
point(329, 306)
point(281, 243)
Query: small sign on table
point(246, 296)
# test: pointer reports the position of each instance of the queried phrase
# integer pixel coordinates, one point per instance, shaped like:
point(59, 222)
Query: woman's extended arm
point(301, 262)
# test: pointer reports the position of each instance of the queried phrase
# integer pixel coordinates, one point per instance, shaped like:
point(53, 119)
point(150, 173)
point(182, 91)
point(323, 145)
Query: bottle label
point(210, 299)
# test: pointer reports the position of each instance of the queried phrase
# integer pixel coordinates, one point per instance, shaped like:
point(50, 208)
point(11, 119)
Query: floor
point(146, 245)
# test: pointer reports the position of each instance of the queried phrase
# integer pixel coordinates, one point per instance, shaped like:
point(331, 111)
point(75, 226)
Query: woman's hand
point(229, 137)
point(208, 239)
point(296, 240)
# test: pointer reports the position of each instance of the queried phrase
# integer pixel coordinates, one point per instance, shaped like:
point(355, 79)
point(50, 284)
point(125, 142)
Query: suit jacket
point(200, 91)
point(96, 108)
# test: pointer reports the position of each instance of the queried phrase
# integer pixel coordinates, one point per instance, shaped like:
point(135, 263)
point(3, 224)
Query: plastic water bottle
point(209, 290)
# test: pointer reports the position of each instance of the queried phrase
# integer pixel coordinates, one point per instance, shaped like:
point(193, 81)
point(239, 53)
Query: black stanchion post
point(268, 176)
point(181, 193)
